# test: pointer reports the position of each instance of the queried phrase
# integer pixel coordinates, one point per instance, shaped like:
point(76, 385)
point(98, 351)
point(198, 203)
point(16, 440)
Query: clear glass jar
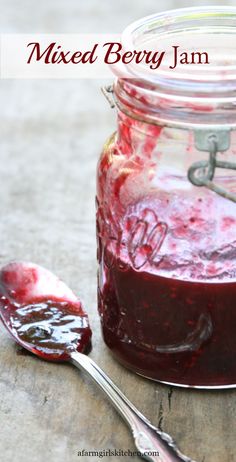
point(166, 211)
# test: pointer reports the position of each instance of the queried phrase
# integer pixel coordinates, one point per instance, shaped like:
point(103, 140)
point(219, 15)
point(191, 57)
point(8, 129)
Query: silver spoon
point(45, 317)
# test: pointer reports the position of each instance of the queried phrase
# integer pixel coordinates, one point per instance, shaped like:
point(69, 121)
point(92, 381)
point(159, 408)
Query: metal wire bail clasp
point(108, 92)
point(202, 173)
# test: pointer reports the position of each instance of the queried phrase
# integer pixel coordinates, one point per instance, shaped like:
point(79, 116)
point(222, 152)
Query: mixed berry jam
point(168, 329)
point(167, 256)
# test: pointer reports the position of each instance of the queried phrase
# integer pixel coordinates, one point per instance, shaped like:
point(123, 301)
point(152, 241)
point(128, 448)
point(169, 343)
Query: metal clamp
point(108, 92)
point(202, 173)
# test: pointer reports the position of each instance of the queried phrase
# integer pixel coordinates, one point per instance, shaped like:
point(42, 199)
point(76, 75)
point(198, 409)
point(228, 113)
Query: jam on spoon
point(42, 313)
point(45, 317)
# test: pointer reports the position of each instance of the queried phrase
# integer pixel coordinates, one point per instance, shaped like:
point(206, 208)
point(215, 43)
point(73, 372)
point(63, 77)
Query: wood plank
point(51, 134)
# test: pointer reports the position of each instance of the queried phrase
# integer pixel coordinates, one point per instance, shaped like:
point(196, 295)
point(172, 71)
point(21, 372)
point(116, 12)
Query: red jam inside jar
point(166, 246)
point(167, 287)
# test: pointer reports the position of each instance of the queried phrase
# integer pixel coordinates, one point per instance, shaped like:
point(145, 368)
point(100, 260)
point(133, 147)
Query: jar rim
point(205, 78)
point(181, 98)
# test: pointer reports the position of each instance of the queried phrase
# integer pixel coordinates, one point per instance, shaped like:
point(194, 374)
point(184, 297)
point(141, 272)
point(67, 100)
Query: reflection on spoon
point(45, 317)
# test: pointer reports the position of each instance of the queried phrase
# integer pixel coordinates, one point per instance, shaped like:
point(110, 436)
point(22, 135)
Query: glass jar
point(166, 209)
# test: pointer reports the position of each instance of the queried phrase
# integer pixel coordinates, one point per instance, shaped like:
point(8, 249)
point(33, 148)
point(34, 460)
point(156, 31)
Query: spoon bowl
point(42, 313)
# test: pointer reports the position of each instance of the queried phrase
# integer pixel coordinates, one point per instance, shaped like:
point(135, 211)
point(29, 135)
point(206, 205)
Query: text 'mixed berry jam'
point(166, 210)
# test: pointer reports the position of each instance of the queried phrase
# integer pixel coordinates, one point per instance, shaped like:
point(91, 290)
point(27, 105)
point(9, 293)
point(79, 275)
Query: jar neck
point(152, 105)
point(137, 136)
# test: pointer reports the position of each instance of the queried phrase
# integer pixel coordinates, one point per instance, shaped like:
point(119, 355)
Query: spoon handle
point(152, 444)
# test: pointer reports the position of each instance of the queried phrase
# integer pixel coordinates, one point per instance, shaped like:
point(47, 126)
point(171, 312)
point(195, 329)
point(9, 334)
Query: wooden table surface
point(51, 136)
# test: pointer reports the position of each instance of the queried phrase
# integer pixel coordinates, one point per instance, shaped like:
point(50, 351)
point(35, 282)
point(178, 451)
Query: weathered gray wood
point(51, 133)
